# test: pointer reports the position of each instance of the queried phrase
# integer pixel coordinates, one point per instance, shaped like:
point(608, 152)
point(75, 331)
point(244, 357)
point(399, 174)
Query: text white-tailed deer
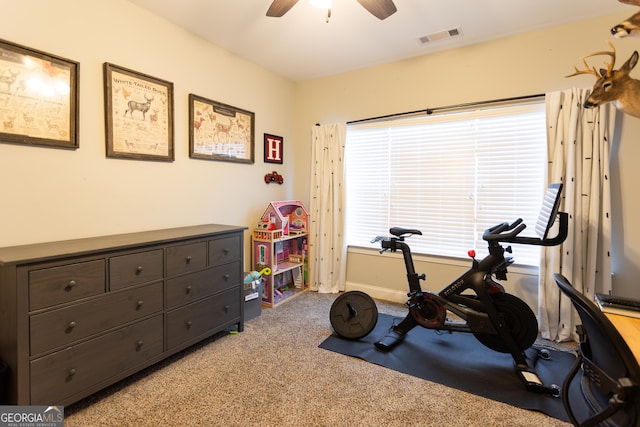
point(613, 85)
point(630, 27)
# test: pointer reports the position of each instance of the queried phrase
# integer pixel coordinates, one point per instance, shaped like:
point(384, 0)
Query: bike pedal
point(531, 378)
point(389, 341)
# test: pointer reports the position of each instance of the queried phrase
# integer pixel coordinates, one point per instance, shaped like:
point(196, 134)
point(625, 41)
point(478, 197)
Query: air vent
point(441, 35)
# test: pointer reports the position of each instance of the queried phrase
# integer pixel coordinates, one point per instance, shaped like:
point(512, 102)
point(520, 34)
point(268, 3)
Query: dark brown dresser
point(79, 315)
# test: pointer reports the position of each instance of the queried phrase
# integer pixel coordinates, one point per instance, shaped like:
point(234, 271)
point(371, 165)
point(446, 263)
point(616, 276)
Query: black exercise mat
point(460, 361)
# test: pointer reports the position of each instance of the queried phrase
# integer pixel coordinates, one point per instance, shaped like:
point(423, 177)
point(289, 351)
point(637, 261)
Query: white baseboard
point(376, 292)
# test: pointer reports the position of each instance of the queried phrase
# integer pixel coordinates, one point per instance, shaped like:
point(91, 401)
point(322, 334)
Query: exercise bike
point(500, 321)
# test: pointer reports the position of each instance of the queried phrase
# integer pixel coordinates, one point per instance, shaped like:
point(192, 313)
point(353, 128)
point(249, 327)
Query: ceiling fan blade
point(381, 9)
point(280, 7)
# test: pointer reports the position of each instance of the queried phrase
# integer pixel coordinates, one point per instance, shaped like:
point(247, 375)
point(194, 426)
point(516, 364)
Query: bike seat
point(399, 231)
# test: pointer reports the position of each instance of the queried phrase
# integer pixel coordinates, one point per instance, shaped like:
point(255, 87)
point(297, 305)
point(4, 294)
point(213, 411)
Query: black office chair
point(607, 391)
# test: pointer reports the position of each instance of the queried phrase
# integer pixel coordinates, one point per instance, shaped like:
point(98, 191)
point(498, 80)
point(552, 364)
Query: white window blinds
point(449, 175)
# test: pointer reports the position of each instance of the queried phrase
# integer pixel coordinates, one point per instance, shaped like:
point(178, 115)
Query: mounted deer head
point(613, 85)
point(630, 27)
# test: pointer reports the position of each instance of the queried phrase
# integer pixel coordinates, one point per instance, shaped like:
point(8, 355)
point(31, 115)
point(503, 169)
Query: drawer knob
point(226, 251)
point(72, 284)
point(72, 372)
point(139, 270)
point(226, 277)
point(189, 323)
point(188, 289)
point(139, 304)
point(189, 259)
point(71, 325)
point(139, 344)
point(226, 308)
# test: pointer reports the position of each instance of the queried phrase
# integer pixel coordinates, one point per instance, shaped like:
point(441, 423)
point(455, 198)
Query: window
point(449, 175)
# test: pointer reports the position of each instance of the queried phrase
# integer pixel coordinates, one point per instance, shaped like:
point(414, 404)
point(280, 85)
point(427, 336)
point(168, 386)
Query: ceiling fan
point(381, 9)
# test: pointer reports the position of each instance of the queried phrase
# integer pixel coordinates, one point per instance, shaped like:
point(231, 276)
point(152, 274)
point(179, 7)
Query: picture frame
point(138, 115)
point(219, 131)
point(273, 148)
point(38, 97)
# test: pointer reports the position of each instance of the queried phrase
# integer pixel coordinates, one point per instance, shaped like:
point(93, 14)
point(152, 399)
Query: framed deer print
point(138, 115)
point(38, 97)
point(220, 132)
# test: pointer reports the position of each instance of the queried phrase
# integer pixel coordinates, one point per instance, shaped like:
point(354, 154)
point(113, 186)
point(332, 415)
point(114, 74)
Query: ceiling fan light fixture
point(321, 4)
point(381, 9)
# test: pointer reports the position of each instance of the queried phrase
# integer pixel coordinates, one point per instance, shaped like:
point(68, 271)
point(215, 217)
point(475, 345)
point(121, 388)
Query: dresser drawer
point(190, 287)
point(129, 270)
point(185, 258)
point(224, 250)
point(57, 285)
point(62, 326)
point(62, 374)
point(193, 321)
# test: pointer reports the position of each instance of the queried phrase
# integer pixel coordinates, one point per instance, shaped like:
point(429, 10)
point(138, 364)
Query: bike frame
point(478, 311)
point(477, 278)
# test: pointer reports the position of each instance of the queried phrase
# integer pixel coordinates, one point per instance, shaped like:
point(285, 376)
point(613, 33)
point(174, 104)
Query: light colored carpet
point(274, 374)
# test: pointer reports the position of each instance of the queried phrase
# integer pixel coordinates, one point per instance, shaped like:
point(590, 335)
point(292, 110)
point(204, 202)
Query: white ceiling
point(301, 45)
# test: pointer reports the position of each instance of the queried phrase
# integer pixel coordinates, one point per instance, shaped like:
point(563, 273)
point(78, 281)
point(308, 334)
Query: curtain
point(327, 248)
point(579, 141)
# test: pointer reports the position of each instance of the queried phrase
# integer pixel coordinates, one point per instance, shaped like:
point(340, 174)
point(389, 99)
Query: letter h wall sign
point(273, 150)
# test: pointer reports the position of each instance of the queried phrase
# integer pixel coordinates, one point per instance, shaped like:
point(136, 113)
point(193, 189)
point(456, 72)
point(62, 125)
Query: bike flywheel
point(427, 310)
point(519, 319)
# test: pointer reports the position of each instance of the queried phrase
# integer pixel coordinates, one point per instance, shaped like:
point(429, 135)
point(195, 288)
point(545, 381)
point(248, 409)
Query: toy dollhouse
point(279, 242)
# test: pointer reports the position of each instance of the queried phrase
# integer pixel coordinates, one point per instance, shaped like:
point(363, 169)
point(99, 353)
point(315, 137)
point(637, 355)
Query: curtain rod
point(429, 111)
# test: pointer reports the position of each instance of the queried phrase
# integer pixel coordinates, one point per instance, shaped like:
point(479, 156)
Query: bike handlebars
point(499, 231)
point(508, 233)
point(503, 232)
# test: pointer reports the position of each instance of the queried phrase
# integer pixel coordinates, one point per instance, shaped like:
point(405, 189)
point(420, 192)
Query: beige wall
point(52, 194)
point(527, 64)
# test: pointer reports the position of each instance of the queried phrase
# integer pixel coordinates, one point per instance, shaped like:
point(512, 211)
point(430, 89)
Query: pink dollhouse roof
point(282, 209)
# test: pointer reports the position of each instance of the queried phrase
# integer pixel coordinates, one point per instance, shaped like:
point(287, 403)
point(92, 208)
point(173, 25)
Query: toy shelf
point(274, 235)
point(286, 266)
point(280, 242)
point(271, 235)
point(287, 260)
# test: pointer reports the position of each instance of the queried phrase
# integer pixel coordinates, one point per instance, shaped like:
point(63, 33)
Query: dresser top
point(44, 251)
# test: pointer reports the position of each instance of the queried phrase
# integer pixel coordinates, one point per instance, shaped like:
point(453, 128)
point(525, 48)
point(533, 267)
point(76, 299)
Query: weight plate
point(353, 315)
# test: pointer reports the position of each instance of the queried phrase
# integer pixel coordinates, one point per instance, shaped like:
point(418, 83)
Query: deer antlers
point(592, 70)
point(615, 86)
